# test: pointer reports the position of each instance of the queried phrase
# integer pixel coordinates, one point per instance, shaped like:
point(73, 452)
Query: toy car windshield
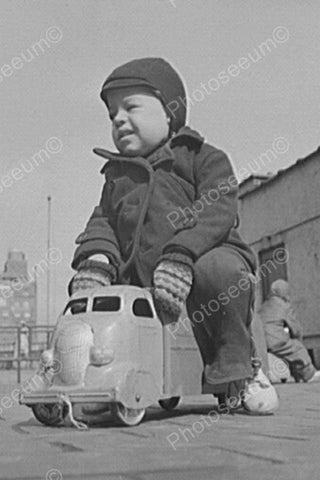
point(106, 304)
point(99, 304)
point(76, 306)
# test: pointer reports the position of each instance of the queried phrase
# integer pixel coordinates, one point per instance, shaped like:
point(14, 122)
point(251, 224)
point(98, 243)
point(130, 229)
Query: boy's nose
point(119, 118)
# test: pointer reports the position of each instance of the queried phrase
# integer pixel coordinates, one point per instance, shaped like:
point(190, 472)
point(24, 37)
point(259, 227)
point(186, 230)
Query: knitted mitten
point(92, 274)
point(172, 280)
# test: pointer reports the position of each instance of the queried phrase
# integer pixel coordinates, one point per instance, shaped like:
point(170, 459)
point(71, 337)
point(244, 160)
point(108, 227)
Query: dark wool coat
point(183, 197)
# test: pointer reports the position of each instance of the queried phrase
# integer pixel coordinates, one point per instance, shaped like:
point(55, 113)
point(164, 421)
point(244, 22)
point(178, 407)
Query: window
point(141, 308)
point(78, 305)
point(271, 267)
point(106, 304)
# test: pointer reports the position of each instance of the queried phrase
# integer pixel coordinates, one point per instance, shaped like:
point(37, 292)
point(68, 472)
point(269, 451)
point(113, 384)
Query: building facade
point(18, 300)
point(280, 219)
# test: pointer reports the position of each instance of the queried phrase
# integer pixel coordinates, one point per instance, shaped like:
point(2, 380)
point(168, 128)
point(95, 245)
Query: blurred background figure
point(283, 333)
point(24, 344)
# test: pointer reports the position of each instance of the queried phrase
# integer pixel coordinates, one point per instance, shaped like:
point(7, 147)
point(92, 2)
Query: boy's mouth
point(125, 133)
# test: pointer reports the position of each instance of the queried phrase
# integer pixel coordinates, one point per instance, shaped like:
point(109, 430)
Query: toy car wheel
point(127, 416)
point(169, 403)
point(49, 413)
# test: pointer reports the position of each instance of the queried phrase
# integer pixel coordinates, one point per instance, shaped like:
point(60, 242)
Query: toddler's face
point(139, 121)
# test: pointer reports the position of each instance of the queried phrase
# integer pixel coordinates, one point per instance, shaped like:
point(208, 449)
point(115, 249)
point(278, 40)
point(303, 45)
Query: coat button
point(189, 222)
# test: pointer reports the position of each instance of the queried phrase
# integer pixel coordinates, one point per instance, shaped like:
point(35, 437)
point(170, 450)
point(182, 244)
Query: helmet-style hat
point(160, 77)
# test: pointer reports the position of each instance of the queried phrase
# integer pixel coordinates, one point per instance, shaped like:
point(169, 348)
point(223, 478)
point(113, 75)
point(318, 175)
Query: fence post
point(48, 337)
point(30, 338)
point(19, 355)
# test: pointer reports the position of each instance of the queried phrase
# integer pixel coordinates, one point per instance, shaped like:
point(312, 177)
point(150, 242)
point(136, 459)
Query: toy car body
point(110, 351)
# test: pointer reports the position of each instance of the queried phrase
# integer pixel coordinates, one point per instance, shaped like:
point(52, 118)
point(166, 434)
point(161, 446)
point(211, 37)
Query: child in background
point(283, 333)
point(167, 219)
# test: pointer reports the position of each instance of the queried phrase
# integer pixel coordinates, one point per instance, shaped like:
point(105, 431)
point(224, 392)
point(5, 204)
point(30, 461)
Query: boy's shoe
point(315, 377)
point(259, 396)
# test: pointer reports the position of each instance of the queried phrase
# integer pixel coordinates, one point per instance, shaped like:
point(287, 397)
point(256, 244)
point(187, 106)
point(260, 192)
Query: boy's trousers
point(220, 309)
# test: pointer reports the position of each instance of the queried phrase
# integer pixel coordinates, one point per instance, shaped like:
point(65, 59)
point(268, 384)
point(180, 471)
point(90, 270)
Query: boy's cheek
point(113, 137)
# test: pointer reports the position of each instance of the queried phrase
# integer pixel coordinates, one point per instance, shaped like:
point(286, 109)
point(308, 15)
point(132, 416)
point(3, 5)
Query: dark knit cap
point(158, 75)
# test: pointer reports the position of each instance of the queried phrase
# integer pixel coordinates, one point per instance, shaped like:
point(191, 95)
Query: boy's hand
point(172, 282)
point(92, 274)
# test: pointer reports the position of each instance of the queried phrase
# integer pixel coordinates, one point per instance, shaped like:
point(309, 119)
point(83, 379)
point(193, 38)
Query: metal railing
point(20, 344)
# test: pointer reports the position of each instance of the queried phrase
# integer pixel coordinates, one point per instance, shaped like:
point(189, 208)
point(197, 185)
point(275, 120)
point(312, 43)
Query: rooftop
point(257, 181)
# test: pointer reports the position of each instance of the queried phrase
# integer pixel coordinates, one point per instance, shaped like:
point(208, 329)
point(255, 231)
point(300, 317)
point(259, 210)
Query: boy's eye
point(132, 106)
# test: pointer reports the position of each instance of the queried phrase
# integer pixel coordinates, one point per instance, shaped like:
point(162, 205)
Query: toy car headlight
point(46, 358)
point(49, 362)
point(100, 356)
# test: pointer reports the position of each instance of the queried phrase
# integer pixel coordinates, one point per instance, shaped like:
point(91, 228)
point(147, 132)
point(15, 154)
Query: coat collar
point(188, 134)
point(164, 153)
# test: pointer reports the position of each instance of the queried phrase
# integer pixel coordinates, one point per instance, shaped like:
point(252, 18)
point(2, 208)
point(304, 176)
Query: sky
point(251, 69)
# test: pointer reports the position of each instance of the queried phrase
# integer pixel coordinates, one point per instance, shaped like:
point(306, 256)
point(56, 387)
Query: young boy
point(167, 219)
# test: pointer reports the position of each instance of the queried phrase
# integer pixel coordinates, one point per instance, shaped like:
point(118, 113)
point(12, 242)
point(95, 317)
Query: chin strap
point(79, 425)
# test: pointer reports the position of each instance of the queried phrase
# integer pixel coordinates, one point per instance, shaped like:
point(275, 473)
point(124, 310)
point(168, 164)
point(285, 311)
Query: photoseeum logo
point(279, 36)
point(53, 474)
point(53, 146)
point(52, 36)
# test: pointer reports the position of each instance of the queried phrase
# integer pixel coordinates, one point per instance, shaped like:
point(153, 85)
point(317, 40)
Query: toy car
point(110, 352)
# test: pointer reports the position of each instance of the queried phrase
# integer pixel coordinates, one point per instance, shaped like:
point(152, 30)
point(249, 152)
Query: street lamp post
point(48, 250)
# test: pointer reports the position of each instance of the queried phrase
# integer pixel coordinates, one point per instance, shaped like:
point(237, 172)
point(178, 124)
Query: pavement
point(194, 441)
